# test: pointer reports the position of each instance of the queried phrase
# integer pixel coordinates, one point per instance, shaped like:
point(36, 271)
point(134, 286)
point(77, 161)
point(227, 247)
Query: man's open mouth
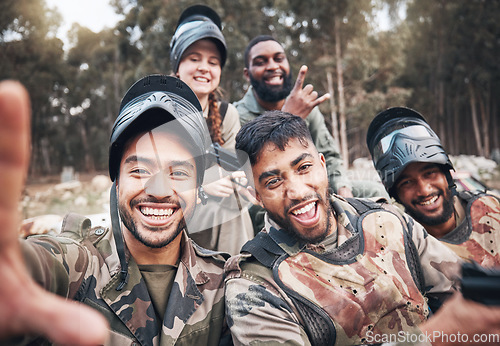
point(306, 214)
point(275, 79)
point(157, 213)
point(429, 201)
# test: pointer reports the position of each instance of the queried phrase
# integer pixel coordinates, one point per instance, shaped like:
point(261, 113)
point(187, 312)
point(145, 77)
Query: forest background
point(442, 60)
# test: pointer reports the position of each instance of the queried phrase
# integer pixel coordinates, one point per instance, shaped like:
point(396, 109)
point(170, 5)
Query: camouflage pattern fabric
point(478, 236)
point(82, 264)
point(363, 282)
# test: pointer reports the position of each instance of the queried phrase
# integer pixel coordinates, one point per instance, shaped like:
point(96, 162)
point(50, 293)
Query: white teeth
point(432, 200)
point(201, 79)
point(304, 209)
point(157, 212)
point(275, 78)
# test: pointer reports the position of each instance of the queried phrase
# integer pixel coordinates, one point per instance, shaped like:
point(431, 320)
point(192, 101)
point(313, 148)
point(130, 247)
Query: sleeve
point(440, 265)
point(257, 313)
point(230, 127)
point(57, 264)
point(326, 145)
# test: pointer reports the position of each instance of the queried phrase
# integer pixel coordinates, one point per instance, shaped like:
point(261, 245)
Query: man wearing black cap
point(151, 283)
point(415, 170)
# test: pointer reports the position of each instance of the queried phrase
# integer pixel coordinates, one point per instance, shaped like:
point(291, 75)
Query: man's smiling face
point(423, 190)
point(269, 71)
point(292, 185)
point(156, 188)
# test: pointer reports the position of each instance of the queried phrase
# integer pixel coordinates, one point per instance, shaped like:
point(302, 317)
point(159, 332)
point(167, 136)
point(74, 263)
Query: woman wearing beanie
point(197, 55)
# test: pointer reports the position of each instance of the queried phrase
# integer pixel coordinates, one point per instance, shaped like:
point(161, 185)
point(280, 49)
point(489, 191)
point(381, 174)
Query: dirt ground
point(47, 195)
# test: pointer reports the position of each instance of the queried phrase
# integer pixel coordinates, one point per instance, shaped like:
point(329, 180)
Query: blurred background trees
point(441, 59)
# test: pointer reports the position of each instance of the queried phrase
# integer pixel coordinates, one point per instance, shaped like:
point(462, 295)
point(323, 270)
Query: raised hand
point(25, 307)
point(301, 101)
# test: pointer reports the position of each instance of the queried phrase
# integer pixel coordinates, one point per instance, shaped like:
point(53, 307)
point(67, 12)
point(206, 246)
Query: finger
point(66, 322)
point(223, 190)
point(14, 120)
point(308, 89)
point(14, 155)
point(301, 77)
point(27, 309)
point(249, 194)
point(238, 174)
point(322, 99)
point(226, 183)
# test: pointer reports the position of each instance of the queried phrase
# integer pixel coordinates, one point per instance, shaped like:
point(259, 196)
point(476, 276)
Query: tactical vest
point(371, 284)
point(478, 236)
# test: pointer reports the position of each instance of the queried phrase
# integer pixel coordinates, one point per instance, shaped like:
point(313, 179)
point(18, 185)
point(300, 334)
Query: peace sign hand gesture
point(301, 101)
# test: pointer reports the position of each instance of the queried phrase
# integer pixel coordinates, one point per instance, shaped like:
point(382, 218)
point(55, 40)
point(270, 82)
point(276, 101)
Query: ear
point(322, 159)
point(246, 74)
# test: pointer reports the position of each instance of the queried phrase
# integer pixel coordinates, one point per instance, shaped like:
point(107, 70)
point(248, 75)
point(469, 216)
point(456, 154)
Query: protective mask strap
point(202, 195)
point(118, 235)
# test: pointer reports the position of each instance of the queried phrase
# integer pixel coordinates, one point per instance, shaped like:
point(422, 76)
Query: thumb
point(68, 322)
point(27, 309)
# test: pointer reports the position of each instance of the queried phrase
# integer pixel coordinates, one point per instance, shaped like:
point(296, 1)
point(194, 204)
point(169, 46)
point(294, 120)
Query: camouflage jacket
point(368, 283)
point(249, 109)
point(477, 237)
point(82, 264)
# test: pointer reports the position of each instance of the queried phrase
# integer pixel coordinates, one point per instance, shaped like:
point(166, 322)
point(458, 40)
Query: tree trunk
point(456, 128)
point(333, 112)
point(494, 126)
point(89, 163)
point(46, 155)
point(116, 85)
point(441, 113)
point(483, 108)
point(439, 75)
point(340, 85)
point(475, 123)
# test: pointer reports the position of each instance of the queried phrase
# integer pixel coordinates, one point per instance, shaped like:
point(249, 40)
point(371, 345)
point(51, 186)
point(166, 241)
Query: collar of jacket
point(133, 304)
point(250, 101)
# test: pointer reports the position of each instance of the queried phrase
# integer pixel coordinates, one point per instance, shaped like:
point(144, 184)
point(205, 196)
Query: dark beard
point(448, 210)
point(132, 227)
point(286, 224)
point(272, 93)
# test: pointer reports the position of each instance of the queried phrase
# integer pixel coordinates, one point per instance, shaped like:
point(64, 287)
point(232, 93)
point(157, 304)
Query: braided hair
point(214, 119)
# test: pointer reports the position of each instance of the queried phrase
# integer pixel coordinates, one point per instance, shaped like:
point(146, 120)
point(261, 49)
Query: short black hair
point(253, 42)
point(276, 127)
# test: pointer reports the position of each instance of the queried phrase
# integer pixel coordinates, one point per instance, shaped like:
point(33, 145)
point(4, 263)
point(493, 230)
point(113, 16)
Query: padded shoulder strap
point(223, 109)
point(75, 226)
point(412, 256)
point(363, 205)
point(318, 324)
point(468, 195)
point(264, 249)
